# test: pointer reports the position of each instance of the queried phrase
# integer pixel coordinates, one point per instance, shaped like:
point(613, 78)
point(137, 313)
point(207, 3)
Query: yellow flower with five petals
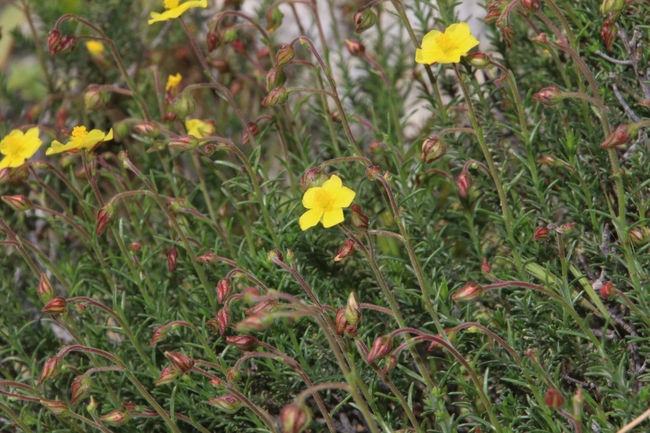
point(326, 203)
point(174, 9)
point(447, 47)
point(17, 147)
point(199, 129)
point(173, 81)
point(80, 139)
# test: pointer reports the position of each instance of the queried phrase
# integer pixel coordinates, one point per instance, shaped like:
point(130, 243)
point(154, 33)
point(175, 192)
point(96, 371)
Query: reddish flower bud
point(553, 399)
point(294, 418)
point(212, 40)
point(542, 38)
point(607, 290)
point(95, 97)
point(380, 348)
point(341, 322)
point(346, 250)
point(105, 217)
point(275, 256)
point(45, 289)
point(158, 335)
point(351, 331)
point(532, 5)
point(79, 389)
point(492, 15)
point(355, 48)
point(478, 60)
point(549, 96)
point(256, 322)
point(149, 129)
point(223, 319)
point(239, 46)
point(207, 258)
point(224, 289)
point(464, 182)
point(359, 219)
point(19, 203)
point(621, 135)
point(509, 34)
point(313, 177)
point(640, 235)
point(432, 149)
point(279, 95)
point(391, 363)
point(53, 41)
point(57, 305)
point(57, 408)
point(468, 292)
point(50, 369)
point(68, 43)
point(172, 258)
point(364, 20)
point(275, 78)
point(134, 247)
point(609, 32)
point(253, 129)
point(116, 417)
point(485, 266)
point(285, 55)
point(227, 403)
point(373, 171)
point(566, 228)
point(168, 375)
point(233, 375)
point(541, 234)
point(182, 362)
point(246, 343)
point(261, 307)
point(353, 309)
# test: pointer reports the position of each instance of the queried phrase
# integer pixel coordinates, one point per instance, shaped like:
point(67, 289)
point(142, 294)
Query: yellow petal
point(343, 197)
point(430, 38)
point(58, 147)
point(458, 30)
point(30, 146)
point(32, 132)
point(309, 199)
point(333, 184)
point(429, 56)
point(311, 218)
point(467, 44)
point(177, 11)
point(92, 139)
point(109, 136)
point(332, 217)
point(10, 161)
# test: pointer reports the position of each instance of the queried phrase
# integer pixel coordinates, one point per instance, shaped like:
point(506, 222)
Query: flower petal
point(309, 199)
point(343, 197)
point(430, 38)
point(333, 184)
point(458, 31)
point(332, 217)
point(92, 139)
point(311, 218)
point(30, 146)
point(467, 44)
point(177, 11)
point(109, 136)
point(58, 147)
point(11, 161)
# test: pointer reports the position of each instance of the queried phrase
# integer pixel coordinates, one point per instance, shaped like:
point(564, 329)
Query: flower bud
point(182, 362)
point(51, 369)
point(255, 322)
point(294, 418)
point(464, 182)
point(468, 292)
point(346, 250)
point(621, 135)
point(239, 46)
point(91, 407)
point(340, 322)
point(541, 38)
point(224, 289)
point(275, 256)
point(172, 258)
point(553, 399)
point(116, 417)
point(253, 129)
point(372, 172)
point(275, 78)
point(212, 40)
point(313, 177)
point(351, 331)
point(158, 335)
point(207, 258)
point(79, 389)
point(149, 129)
point(184, 105)
point(541, 234)
point(227, 403)
point(45, 289)
point(364, 20)
point(509, 34)
point(212, 324)
point(233, 375)
point(19, 203)
point(223, 319)
point(607, 290)
point(532, 5)
point(485, 266)
point(273, 19)
point(355, 48)
point(57, 408)
point(262, 307)
point(285, 54)
point(95, 97)
point(57, 305)
point(380, 348)
point(478, 60)
point(390, 363)
point(353, 309)
point(246, 343)
point(279, 95)
point(68, 43)
point(549, 96)
point(432, 149)
point(358, 218)
point(168, 375)
point(566, 228)
point(609, 32)
point(105, 217)
point(609, 6)
point(53, 41)
point(492, 15)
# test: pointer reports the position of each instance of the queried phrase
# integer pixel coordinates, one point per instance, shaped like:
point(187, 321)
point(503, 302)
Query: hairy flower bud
point(609, 6)
point(57, 408)
point(609, 32)
point(223, 319)
point(380, 348)
point(607, 289)
point(464, 182)
point(274, 19)
point(116, 417)
point(262, 307)
point(275, 78)
point(294, 418)
point(509, 34)
point(57, 305)
point(233, 375)
point(364, 20)
point(621, 135)
point(45, 289)
point(492, 15)
point(353, 309)
point(478, 60)
point(246, 343)
point(340, 322)
point(53, 41)
point(224, 289)
point(553, 399)
point(279, 95)
point(372, 171)
point(432, 149)
point(390, 363)
point(149, 129)
point(313, 177)
point(532, 5)
point(172, 258)
point(275, 255)
point(549, 96)
point(347, 249)
point(485, 266)
point(255, 322)
point(158, 335)
point(182, 362)
point(51, 369)
point(253, 129)
point(355, 48)
point(541, 234)
point(207, 258)
point(468, 292)
point(168, 375)
point(184, 105)
point(227, 403)
point(285, 54)
point(105, 217)
point(19, 203)
point(212, 40)
point(79, 389)
point(358, 218)
point(566, 228)
point(95, 97)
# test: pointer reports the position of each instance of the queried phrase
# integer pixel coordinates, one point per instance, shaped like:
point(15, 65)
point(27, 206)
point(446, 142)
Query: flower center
point(13, 145)
point(446, 43)
point(171, 4)
point(78, 134)
point(323, 198)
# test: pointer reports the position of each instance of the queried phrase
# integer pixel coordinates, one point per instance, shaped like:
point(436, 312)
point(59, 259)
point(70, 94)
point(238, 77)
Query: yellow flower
point(199, 128)
point(175, 10)
point(18, 147)
point(326, 203)
point(95, 48)
point(447, 47)
point(80, 139)
point(173, 81)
